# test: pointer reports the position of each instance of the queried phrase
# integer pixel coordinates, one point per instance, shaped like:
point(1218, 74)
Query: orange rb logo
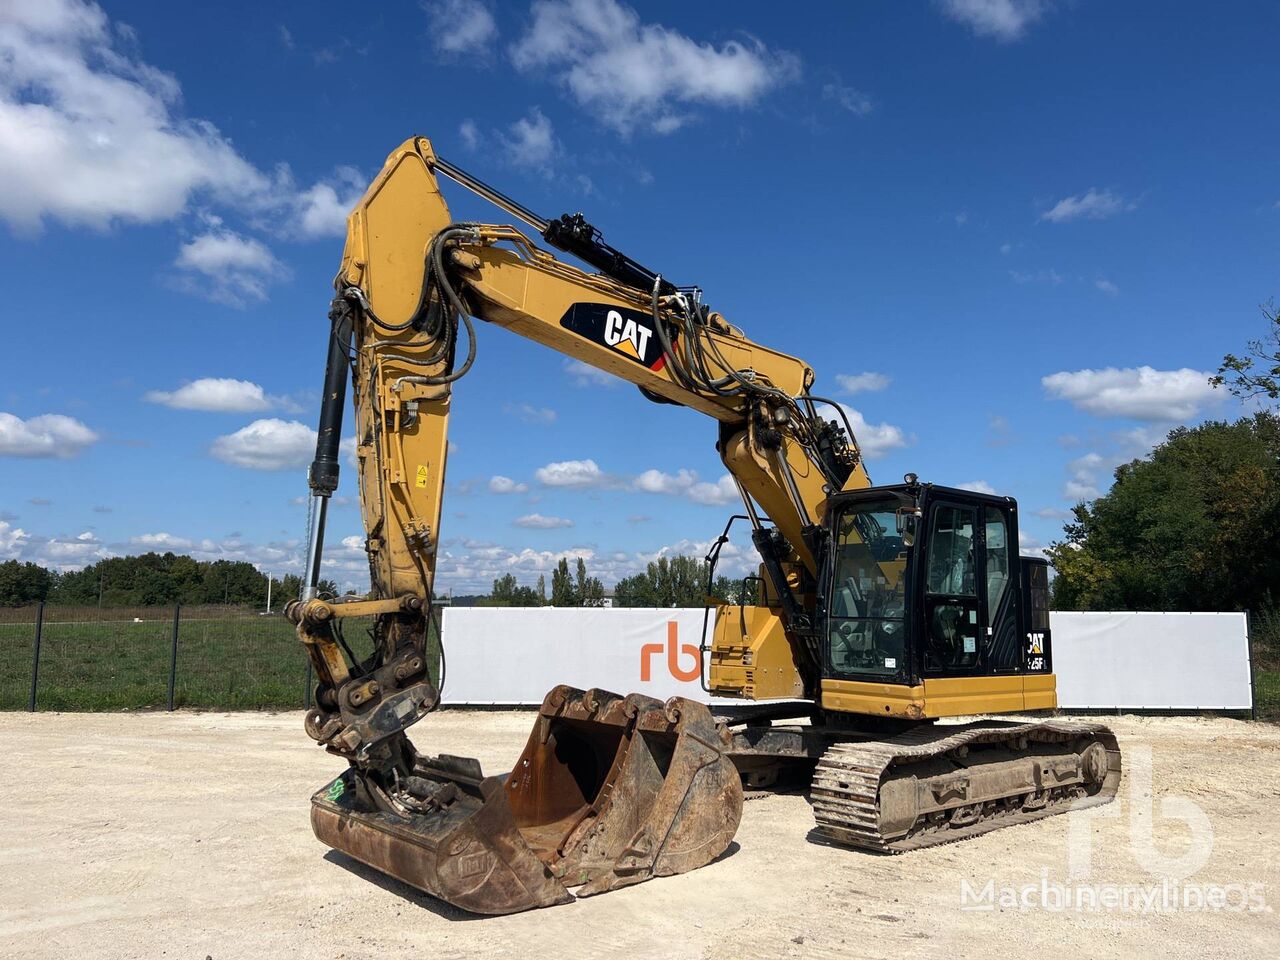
point(674, 652)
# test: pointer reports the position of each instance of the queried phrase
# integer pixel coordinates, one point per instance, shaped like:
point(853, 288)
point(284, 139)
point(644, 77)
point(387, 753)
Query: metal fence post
point(306, 697)
point(35, 658)
point(173, 653)
point(1253, 674)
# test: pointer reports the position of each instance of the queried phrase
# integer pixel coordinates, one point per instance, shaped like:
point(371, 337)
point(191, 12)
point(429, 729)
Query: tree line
point(146, 579)
point(666, 582)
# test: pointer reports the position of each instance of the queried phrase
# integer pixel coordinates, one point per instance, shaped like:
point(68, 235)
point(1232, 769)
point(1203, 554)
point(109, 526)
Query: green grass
point(227, 663)
point(227, 660)
point(1266, 693)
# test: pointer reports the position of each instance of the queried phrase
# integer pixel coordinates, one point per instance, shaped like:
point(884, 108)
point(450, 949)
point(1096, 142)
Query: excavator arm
point(402, 333)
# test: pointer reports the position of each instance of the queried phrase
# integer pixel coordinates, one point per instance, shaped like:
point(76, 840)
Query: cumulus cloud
point(536, 521)
point(12, 540)
point(1092, 205)
point(161, 541)
point(640, 75)
point(460, 26)
point(48, 435)
point(228, 268)
point(268, 444)
point(321, 210)
point(504, 485)
point(572, 473)
point(531, 142)
point(1142, 393)
point(214, 394)
point(861, 382)
point(977, 486)
point(1004, 20)
point(92, 135)
point(685, 483)
point(875, 439)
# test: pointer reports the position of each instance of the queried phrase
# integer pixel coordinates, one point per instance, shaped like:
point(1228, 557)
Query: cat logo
point(626, 335)
point(625, 331)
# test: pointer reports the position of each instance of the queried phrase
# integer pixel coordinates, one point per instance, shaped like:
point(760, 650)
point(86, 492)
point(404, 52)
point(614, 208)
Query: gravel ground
point(186, 835)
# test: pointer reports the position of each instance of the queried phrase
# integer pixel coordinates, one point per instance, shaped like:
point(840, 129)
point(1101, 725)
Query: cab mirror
point(908, 522)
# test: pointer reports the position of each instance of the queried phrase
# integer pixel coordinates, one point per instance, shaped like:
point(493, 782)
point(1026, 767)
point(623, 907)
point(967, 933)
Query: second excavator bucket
point(608, 792)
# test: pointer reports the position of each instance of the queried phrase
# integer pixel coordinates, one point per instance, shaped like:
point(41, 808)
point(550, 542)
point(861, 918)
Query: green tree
point(562, 586)
point(23, 583)
point(666, 582)
point(1193, 526)
point(507, 592)
point(1257, 373)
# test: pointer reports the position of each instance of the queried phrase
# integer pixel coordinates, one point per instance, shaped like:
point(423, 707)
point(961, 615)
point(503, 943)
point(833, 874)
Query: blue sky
point(1015, 236)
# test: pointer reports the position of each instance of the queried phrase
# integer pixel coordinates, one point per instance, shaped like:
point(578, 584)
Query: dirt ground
point(186, 835)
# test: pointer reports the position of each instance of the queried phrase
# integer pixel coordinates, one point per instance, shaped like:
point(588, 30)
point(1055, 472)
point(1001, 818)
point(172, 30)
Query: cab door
point(954, 622)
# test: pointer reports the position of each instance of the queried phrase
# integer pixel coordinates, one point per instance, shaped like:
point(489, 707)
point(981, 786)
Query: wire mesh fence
point(149, 657)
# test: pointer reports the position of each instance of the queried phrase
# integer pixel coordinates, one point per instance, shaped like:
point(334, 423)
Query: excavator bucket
point(609, 791)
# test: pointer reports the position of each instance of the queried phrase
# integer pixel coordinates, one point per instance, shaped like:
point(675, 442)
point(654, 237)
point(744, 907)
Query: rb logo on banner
point(674, 651)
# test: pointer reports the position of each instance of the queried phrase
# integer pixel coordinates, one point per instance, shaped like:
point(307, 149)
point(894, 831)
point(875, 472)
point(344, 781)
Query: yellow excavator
point(877, 610)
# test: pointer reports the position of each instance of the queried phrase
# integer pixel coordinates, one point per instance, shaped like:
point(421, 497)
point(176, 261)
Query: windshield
point(868, 590)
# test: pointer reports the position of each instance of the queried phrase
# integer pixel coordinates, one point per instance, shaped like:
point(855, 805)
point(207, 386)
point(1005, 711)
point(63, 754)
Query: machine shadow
point(402, 890)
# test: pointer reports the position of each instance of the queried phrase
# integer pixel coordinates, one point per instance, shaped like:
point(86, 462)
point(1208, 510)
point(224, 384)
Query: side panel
point(941, 697)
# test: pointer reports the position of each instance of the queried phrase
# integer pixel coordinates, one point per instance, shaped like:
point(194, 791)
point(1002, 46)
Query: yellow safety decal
point(422, 476)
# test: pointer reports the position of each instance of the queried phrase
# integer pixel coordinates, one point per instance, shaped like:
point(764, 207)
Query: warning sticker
point(422, 476)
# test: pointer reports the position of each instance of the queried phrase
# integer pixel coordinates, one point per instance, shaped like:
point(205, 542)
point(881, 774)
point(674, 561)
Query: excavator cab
point(926, 595)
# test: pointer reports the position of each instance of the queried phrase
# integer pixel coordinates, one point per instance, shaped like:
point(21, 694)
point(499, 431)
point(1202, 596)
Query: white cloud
point(268, 444)
point(531, 142)
point(977, 486)
point(12, 540)
point(855, 101)
point(1029, 546)
point(531, 414)
point(321, 210)
point(227, 268)
point(501, 484)
point(861, 382)
point(1004, 20)
point(214, 394)
point(1142, 393)
point(469, 133)
point(536, 521)
point(1092, 205)
point(1107, 287)
point(572, 473)
point(161, 541)
point(48, 435)
point(1083, 481)
point(874, 439)
point(92, 135)
point(460, 26)
point(584, 375)
point(685, 483)
point(631, 74)
point(1053, 513)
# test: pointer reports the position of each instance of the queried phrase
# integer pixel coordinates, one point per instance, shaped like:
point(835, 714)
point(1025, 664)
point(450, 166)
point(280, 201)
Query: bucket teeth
point(609, 791)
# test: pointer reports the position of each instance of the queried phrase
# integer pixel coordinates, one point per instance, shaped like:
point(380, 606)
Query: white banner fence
point(512, 656)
